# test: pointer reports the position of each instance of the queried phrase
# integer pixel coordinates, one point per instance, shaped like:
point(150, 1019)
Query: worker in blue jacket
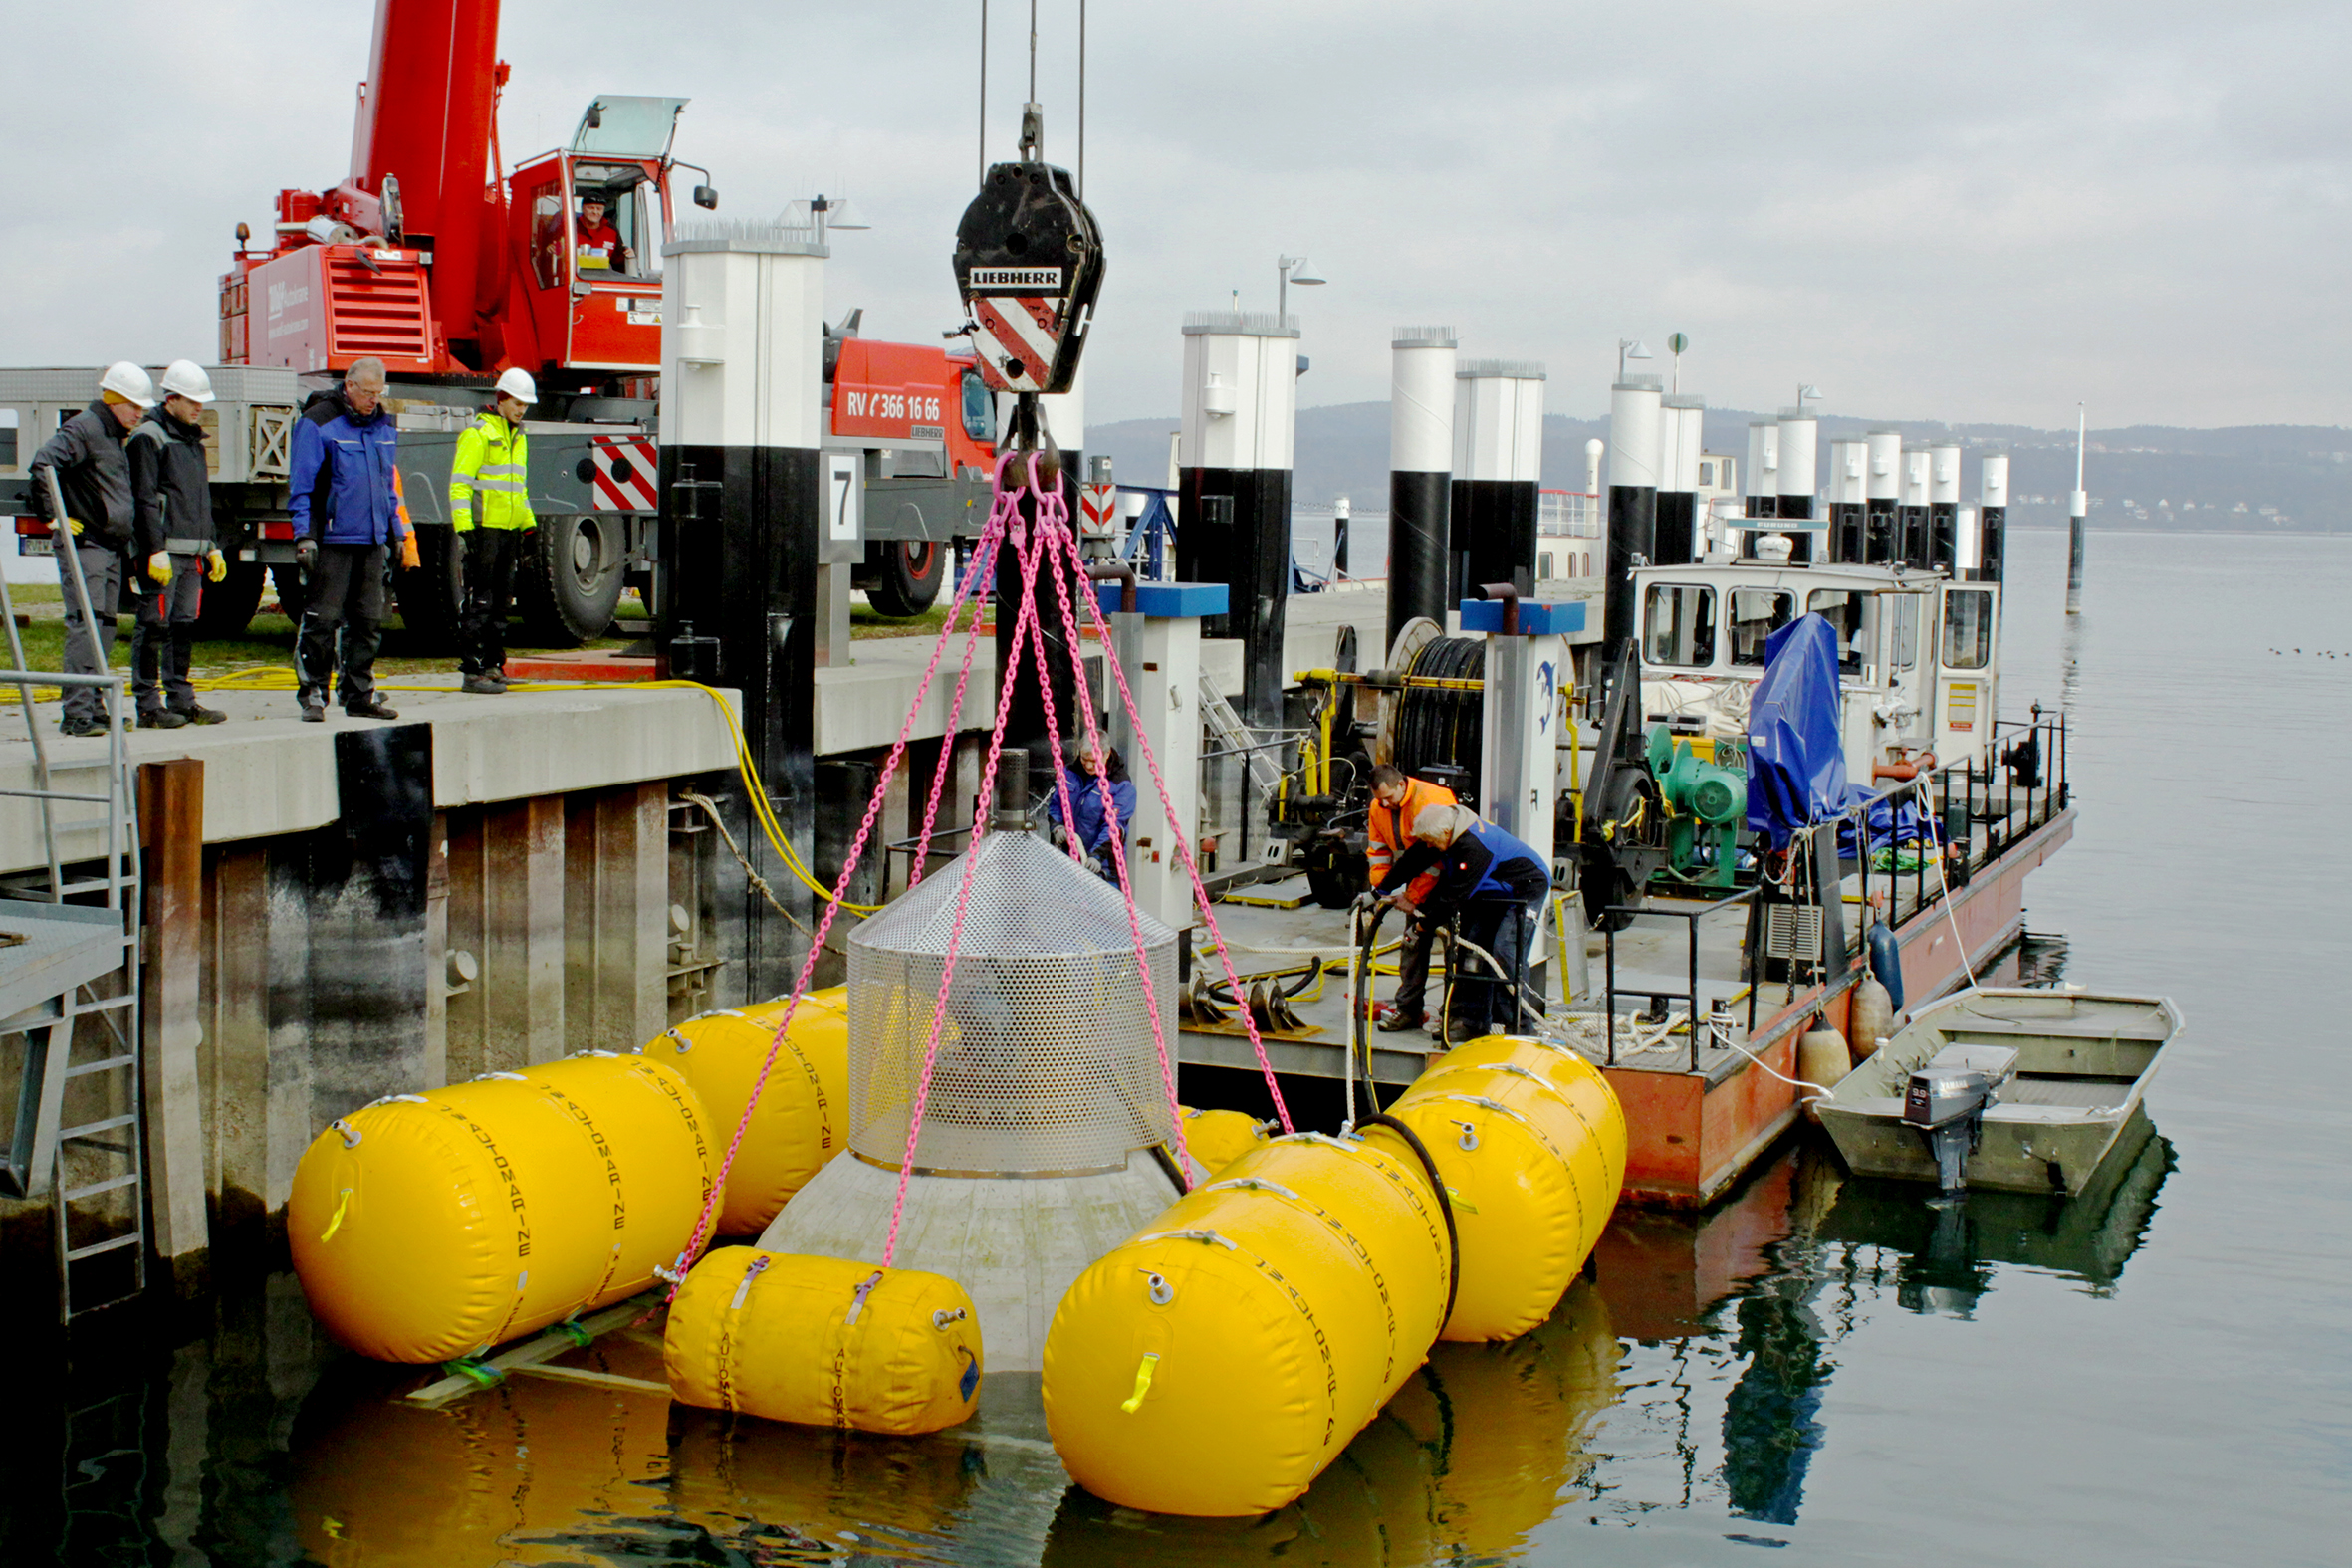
point(1091, 827)
point(1497, 885)
point(347, 518)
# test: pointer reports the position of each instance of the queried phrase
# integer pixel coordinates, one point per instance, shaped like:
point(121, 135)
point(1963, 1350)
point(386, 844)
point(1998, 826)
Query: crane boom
point(423, 130)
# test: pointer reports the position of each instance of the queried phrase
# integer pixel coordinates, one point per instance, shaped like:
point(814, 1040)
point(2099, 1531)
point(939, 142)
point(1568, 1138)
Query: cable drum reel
point(1426, 727)
point(1028, 264)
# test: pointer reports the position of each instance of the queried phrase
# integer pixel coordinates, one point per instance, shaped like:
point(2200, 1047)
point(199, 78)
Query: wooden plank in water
point(608, 1380)
point(542, 1347)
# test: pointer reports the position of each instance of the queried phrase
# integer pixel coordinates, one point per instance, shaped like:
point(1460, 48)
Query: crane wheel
point(906, 575)
point(568, 583)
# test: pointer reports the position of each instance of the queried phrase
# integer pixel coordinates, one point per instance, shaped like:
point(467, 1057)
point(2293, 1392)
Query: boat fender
point(429, 1227)
point(824, 1342)
point(803, 1120)
point(1214, 1363)
point(1886, 962)
point(1872, 1018)
point(1822, 1058)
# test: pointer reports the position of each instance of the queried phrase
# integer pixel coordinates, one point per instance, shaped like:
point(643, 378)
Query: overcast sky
point(1967, 213)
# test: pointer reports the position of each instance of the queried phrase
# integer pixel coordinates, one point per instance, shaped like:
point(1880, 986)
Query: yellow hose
point(281, 678)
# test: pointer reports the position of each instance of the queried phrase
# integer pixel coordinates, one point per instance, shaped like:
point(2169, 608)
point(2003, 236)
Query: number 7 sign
point(844, 498)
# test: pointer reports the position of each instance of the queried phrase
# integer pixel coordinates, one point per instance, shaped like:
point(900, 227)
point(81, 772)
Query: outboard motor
point(1946, 1101)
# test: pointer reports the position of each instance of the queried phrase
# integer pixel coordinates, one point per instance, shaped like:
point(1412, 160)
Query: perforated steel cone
point(1045, 1059)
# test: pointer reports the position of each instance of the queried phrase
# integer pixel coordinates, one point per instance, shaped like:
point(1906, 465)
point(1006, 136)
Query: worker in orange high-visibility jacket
point(1397, 800)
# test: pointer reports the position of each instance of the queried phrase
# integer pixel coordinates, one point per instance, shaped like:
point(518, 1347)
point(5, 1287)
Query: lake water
point(2156, 1373)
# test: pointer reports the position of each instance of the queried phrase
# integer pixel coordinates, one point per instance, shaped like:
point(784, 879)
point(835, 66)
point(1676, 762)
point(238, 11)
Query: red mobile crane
point(427, 258)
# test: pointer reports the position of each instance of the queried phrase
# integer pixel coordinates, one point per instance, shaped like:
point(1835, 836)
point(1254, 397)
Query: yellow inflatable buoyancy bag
point(825, 1342)
point(1531, 1144)
point(804, 1115)
point(429, 1227)
point(1216, 1362)
point(1589, 1101)
point(1214, 1139)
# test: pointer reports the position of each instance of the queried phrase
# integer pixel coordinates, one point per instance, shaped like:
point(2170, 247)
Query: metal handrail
point(1691, 918)
point(2051, 797)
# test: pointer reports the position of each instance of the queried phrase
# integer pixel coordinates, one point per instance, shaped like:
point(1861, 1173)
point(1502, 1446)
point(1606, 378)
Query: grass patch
point(864, 622)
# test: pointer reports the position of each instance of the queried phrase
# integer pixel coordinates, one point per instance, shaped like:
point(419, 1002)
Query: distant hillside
point(2251, 476)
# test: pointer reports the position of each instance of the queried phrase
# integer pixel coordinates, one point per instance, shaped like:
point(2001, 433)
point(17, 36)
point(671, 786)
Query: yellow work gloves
point(159, 569)
point(408, 556)
point(216, 566)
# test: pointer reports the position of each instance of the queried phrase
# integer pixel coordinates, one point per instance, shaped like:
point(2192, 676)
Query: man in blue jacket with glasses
point(347, 520)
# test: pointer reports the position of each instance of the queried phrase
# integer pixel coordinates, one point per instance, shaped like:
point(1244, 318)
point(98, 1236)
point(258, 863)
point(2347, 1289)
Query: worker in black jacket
point(172, 496)
point(1497, 885)
point(94, 472)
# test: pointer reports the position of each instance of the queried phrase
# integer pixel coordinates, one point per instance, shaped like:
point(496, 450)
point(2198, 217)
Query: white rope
point(1723, 1036)
point(1961, 941)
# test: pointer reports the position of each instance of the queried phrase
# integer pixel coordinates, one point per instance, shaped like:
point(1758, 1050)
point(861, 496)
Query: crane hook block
point(1028, 264)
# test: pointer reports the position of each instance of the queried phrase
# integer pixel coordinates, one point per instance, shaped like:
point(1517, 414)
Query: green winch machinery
point(1706, 801)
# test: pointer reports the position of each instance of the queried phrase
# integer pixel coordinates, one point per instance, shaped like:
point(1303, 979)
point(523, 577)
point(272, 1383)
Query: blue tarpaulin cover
point(1796, 766)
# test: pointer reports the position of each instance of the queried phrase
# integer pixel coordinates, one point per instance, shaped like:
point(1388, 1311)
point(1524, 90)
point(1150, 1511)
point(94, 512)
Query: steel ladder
point(83, 1057)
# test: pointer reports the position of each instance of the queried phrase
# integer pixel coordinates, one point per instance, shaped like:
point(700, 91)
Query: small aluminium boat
point(2012, 1089)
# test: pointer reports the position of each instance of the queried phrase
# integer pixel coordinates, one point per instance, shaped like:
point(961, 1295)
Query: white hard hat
point(186, 379)
point(128, 383)
point(517, 384)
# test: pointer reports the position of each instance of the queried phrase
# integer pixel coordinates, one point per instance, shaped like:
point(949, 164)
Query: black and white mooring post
point(1883, 495)
point(1680, 416)
point(1761, 487)
point(745, 534)
point(1944, 506)
point(1911, 511)
point(1340, 520)
point(2078, 512)
point(1849, 497)
point(1992, 511)
point(1498, 468)
point(1241, 400)
point(1800, 482)
point(1635, 405)
point(1420, 476)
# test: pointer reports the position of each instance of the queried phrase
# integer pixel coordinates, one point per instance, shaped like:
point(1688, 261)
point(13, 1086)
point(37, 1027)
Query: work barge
point(329, 916)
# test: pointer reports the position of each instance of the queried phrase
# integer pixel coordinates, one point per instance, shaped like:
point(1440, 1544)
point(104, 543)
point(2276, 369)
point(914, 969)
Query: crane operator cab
point(594, 217)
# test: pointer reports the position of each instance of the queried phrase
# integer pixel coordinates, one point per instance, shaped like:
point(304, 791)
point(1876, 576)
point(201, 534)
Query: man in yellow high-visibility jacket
point(490, 507)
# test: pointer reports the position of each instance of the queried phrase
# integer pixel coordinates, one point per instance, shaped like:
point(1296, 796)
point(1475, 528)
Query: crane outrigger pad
point(1028, 263)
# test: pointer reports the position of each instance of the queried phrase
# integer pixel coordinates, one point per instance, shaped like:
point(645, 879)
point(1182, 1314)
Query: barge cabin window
point(1679, 625)
point(1967, 629)
point(1755, 614)
point(1855, 618)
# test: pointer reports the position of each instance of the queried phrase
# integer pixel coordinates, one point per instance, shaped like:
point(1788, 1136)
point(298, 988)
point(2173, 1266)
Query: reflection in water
point(1761, 1289)
point(1690, 1373)
point(2039, 959)
point(1951, 1251)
